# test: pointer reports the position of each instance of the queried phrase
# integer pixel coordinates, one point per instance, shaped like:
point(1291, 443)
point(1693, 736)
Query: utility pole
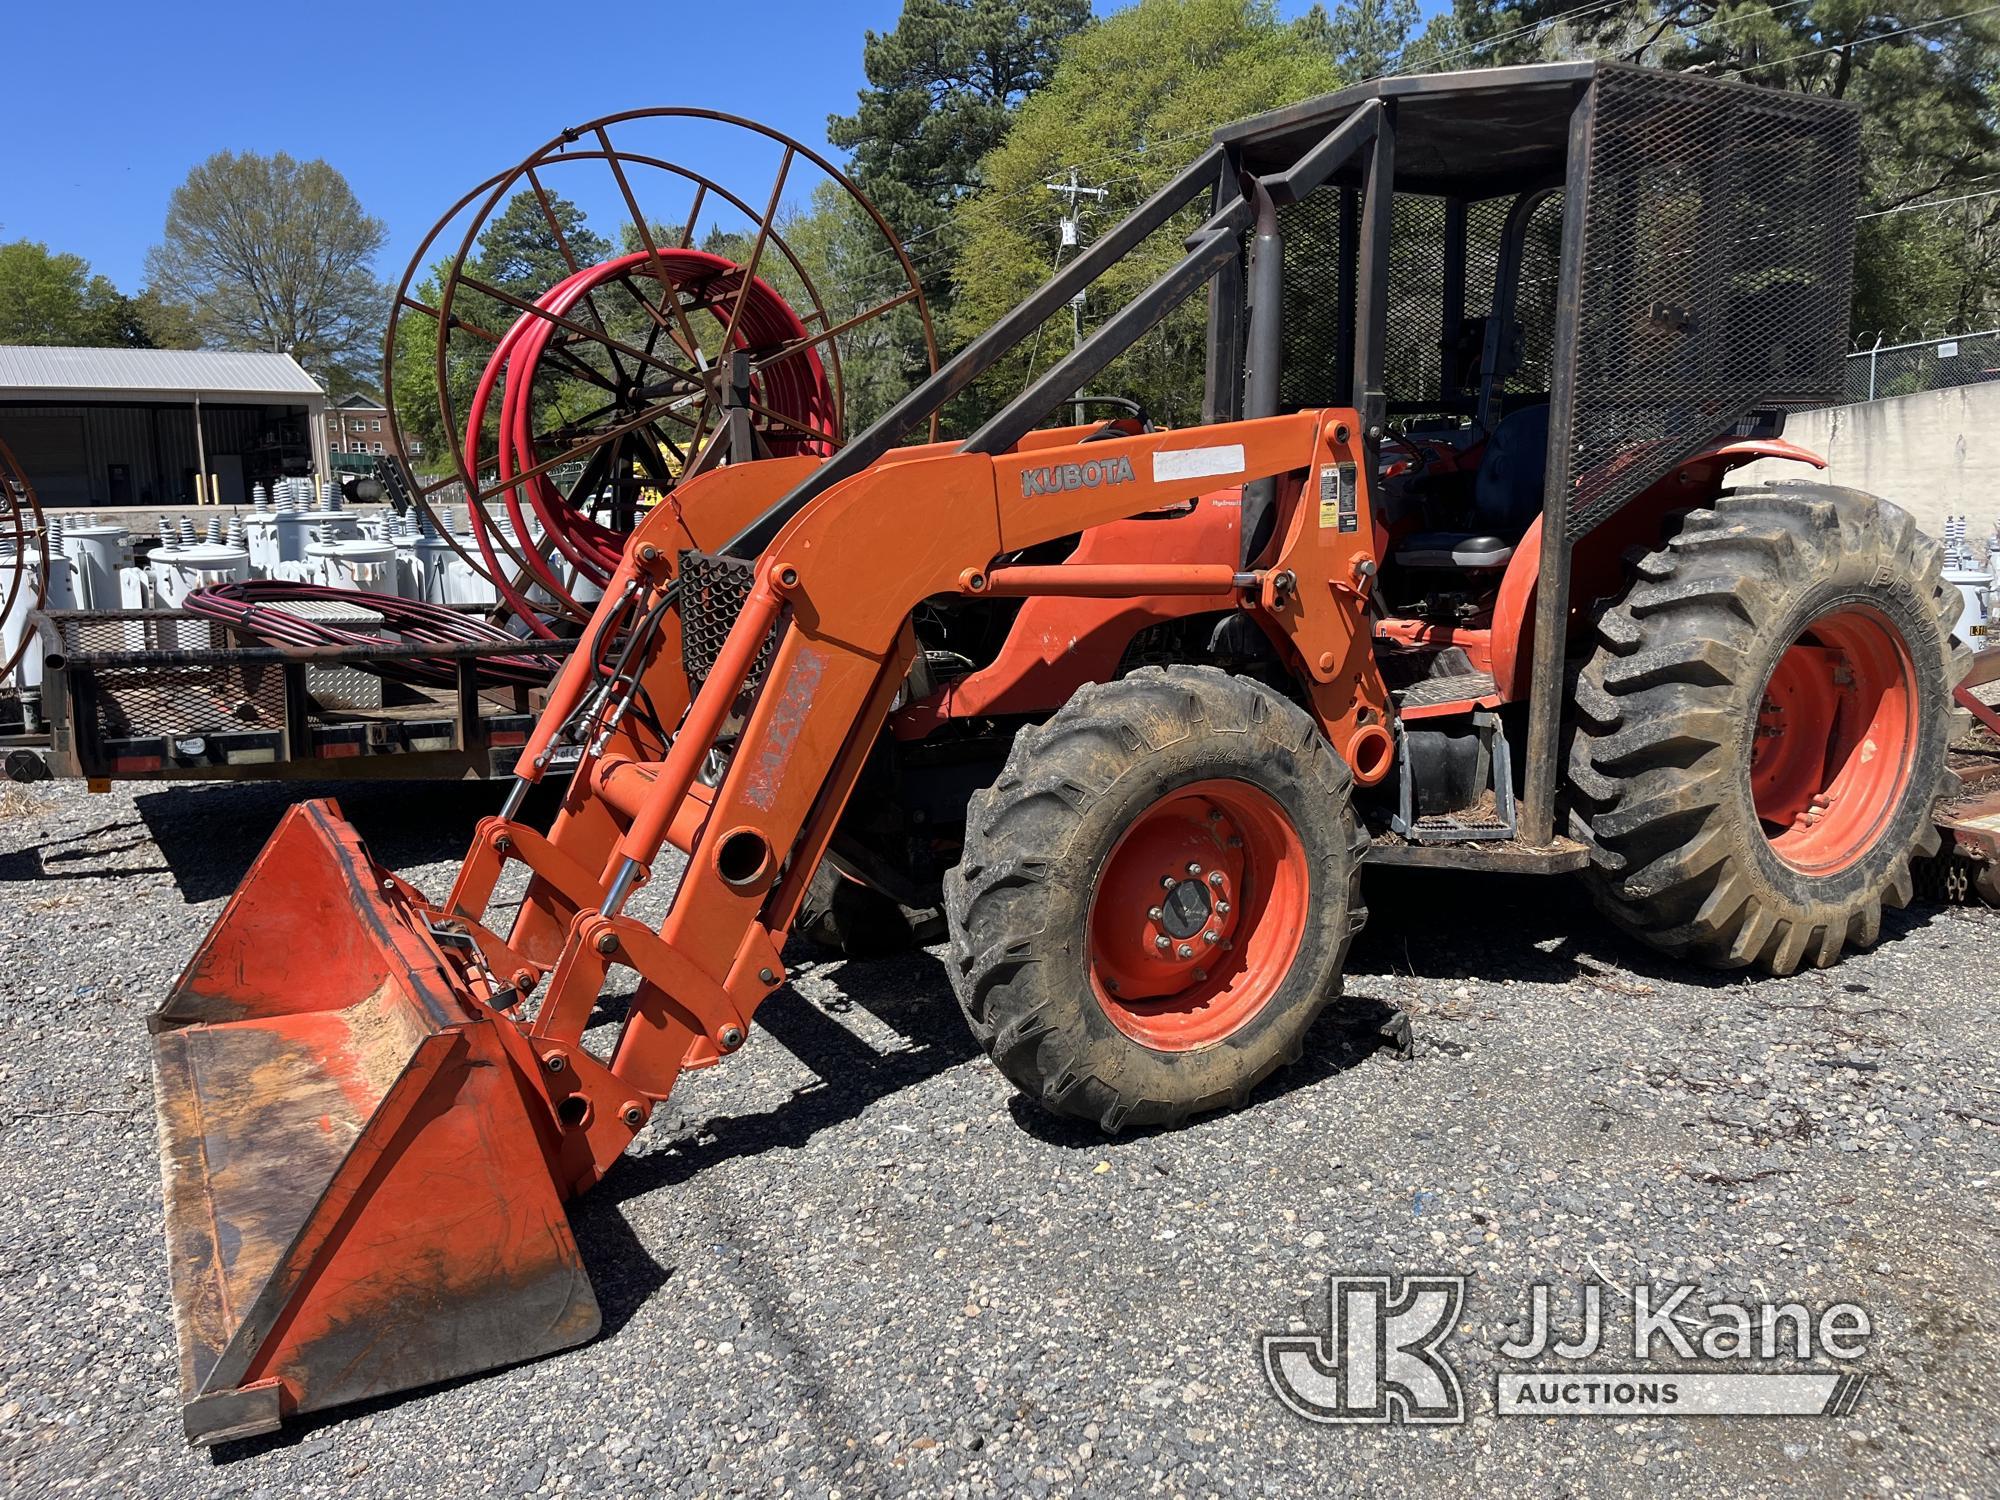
point(1072, 238)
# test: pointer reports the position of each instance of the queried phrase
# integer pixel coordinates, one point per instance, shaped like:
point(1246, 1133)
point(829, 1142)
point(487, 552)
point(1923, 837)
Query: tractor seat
point(1506, 496)
point(1453, 549)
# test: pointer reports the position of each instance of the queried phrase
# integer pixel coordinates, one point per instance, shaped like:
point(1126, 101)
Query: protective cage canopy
point(1689, 262)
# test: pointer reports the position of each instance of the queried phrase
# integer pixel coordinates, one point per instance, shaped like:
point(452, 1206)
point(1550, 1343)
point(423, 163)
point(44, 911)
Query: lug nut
point(1222, 908)
point(1215, 877)
point(1193, 868)
point(1185, 951)
point(1211, 937)
point(1161, 943)
point(1167, 882)
point(607, 942)
point(732, 1038)
point(1153, 914)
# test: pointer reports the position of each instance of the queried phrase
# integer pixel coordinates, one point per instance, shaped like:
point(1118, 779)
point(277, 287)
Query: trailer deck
point(160, 695)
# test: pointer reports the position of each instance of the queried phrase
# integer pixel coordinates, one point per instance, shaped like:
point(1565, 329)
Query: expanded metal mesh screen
point(1316, 365)
point(713, 591)
point(167, 702)
point(167, 698)
point(1716, 258)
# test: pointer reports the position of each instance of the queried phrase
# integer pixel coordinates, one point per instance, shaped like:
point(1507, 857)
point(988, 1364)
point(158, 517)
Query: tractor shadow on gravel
point(1443, 925)
point(1348, 1032)
point(210, 835)
point(910, 994)
point(79, 856)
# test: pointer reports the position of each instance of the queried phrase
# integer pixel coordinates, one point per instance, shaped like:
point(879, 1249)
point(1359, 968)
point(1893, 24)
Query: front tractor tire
point(1156, 897)
point(1761, 728)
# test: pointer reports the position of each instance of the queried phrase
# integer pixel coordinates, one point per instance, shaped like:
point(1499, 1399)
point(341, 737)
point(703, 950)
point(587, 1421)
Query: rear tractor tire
point(846, 919)
point(1156, 897)
point(1761, 728)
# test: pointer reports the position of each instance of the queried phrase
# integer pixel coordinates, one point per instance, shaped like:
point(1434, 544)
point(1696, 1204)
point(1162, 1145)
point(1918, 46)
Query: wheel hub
point(1198, 912)
point(1185, 911)
point(1163, 910)
point(1835, 744)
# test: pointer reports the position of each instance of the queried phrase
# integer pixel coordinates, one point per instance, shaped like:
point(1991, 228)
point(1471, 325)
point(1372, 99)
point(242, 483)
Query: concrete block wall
point(1936, 453)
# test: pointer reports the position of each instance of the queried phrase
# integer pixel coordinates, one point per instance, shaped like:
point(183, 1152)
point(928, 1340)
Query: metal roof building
point(102, 428)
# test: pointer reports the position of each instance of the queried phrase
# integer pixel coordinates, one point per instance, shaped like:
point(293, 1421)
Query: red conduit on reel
point(796, 387)
point(245, 607)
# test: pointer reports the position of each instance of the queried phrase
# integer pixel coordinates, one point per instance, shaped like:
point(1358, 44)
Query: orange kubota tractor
point(1448, 576)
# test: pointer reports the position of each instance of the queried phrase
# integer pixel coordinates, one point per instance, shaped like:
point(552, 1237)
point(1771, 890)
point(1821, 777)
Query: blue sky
point(109, 104)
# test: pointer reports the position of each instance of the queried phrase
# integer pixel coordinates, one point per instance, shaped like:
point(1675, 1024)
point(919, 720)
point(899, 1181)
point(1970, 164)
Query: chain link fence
point(1929, 365)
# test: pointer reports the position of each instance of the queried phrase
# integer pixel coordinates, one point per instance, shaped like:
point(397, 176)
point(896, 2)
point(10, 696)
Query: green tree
point(942, 88)
point(854, 272)
point(274, 253)
point(48, 298)
point(165, 324)
point(1924, 81)
point(519, 253)
point(1368, 38)
point(1135, 98)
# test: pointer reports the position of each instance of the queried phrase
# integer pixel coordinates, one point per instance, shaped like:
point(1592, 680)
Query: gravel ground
point(851, 1262)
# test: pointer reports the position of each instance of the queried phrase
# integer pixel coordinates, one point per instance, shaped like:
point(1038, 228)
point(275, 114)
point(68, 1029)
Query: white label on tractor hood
point(1197, 463)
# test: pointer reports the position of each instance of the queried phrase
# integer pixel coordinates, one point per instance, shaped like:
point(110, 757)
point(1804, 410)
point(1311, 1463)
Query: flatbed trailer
point(170, 695)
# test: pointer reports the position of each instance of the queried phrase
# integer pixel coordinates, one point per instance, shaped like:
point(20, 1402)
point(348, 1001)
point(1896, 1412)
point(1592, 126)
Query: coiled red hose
point(247, 608)
point(797, 388)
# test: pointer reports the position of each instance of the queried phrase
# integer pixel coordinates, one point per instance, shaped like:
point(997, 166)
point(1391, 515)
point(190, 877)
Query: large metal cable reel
point(21, 529)
point(591, 384)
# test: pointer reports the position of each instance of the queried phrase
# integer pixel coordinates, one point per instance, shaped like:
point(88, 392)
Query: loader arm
point(830, 602)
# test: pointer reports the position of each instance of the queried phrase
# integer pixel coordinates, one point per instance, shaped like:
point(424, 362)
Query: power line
point(956, 217)
point(1484, 43)
point(1910, 208)
point(1856, 44)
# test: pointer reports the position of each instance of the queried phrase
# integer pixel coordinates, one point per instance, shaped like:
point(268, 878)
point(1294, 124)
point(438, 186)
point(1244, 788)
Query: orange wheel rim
point(1198, 915)
point(1835, 743)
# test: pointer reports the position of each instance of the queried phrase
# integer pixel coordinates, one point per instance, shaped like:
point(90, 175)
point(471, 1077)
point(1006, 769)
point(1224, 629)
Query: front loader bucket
point(358, 1196)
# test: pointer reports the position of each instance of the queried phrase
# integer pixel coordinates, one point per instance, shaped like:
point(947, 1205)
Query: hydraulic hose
point(796, 389)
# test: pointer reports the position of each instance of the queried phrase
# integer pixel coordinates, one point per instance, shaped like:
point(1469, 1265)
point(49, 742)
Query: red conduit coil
point(797, 387)
point(246, 608)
